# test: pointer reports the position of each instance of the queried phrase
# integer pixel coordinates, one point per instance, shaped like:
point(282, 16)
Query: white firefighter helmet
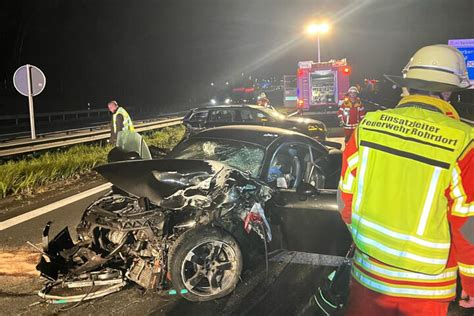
point(262, 95)
point(353, 89)
point(434, 68)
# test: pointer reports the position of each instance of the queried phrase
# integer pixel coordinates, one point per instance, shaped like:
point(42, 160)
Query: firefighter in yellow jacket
point(407, 195)
point(121, 121)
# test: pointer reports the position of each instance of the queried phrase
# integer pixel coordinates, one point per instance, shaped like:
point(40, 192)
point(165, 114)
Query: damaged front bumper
point(53, 264)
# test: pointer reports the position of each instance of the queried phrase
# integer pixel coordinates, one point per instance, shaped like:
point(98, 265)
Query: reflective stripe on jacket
point(402, 283)
point(351, 113)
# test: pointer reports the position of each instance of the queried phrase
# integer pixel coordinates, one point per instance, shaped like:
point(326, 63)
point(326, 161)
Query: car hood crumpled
point(172, 182)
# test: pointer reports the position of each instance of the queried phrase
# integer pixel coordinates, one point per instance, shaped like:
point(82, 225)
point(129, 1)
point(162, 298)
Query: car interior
point(286, 168)
point(296, 163)
point(221, 116)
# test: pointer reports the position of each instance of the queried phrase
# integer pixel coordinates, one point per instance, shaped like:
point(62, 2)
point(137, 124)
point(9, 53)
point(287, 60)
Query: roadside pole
point(30, 102)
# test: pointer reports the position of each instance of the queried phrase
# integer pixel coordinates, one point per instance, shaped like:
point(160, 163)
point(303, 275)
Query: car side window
point(289, 165)
point(247, 116)
point(199, 117)
point(222, 115)
point(261, 117)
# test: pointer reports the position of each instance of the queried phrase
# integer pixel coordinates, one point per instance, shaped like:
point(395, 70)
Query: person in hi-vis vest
point(407, 195)
point(121, 121)
point(351, 112)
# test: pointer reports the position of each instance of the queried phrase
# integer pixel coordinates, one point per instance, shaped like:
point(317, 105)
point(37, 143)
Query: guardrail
point(467, 121)
point(4, 137)
point(23, 134)
point(63, 115)
point(29, 146)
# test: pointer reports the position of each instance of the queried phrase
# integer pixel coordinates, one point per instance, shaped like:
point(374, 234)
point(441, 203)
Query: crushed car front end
point(172, 220)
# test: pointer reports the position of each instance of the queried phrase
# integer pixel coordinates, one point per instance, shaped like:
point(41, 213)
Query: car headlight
point(213, 101)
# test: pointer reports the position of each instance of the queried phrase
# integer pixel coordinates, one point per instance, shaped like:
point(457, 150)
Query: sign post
point(30, 103)
point(29, 81)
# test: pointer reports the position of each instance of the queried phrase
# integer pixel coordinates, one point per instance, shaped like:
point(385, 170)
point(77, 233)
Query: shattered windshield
point(243, 156)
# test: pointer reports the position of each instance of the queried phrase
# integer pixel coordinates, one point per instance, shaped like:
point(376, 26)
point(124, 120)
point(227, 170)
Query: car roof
point(260, 135)
point(228, 106)
point(267, 111)
point(234, 106)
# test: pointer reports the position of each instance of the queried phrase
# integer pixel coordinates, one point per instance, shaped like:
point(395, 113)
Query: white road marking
point(51, 207)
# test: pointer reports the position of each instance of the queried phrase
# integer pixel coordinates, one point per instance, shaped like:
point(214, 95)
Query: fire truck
point(320, 86)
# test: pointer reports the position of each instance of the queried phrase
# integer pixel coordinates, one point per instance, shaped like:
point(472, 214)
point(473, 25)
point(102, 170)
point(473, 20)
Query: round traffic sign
point(20, 80)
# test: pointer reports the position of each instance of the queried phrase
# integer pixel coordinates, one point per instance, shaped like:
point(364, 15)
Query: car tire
point(205, 264)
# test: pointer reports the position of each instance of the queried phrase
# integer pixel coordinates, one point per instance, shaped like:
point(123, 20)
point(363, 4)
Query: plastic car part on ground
point(130, 145)
point(126, 236)
point(98, 284)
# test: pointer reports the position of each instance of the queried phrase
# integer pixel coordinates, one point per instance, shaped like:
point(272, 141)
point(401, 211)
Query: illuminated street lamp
point(317, 29)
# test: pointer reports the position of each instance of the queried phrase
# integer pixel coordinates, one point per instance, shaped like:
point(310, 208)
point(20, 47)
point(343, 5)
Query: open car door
point(304, 213)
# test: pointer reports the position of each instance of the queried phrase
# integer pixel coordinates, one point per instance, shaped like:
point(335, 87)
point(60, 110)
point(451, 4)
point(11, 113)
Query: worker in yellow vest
point(407, 195)
point(121, 121)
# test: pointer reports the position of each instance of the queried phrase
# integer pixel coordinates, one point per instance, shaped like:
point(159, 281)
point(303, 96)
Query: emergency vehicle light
point(346, 70)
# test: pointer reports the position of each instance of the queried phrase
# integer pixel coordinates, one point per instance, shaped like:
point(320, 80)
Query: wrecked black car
point(169, 223)
point(187, 222)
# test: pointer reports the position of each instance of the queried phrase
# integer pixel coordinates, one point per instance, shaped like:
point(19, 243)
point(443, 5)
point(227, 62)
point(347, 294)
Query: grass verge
point(25, 176)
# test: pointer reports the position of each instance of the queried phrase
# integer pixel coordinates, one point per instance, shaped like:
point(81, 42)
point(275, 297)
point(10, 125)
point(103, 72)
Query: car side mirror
point(305, 189)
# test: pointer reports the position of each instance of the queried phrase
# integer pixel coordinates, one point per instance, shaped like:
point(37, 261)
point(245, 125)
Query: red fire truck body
point(320, 86)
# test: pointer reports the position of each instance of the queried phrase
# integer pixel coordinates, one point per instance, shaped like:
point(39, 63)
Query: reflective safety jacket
point(408, 176)
point(127, 120)
point(351, 113)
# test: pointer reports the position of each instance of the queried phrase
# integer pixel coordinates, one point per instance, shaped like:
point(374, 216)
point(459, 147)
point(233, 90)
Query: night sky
point(162, 53)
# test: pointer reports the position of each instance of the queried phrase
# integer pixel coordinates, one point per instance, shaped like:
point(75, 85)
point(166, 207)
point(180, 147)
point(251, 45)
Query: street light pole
point(319, 51)
point(318, 29)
